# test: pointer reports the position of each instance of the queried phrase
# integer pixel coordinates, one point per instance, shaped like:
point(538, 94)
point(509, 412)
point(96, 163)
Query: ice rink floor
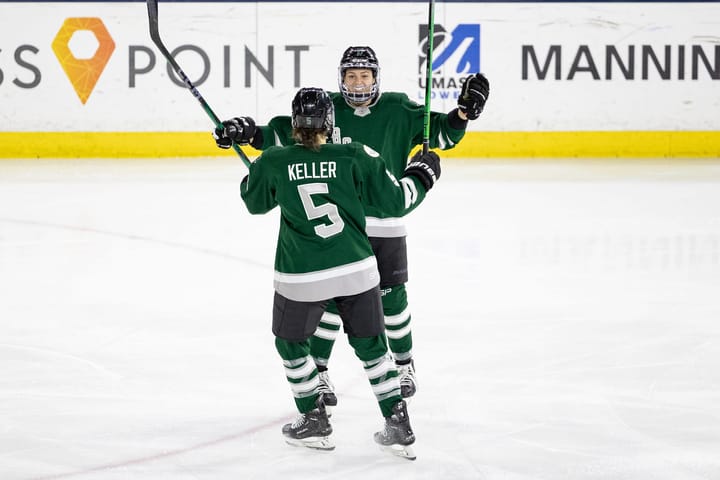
point(566, 319)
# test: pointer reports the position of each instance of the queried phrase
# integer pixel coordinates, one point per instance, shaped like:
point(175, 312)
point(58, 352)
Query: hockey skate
point(311, 430)
point(397, 436)
point(408, 383)
point(327, 391)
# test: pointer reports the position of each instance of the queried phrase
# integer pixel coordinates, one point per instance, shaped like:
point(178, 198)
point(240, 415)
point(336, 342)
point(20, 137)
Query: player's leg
point(380, 370)
point(321, 345)
point(399, 334)
point(391, 255)
point(293, 324)
point(363, 321)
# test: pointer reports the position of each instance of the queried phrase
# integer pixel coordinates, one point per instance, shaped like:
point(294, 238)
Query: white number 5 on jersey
point(316, 211)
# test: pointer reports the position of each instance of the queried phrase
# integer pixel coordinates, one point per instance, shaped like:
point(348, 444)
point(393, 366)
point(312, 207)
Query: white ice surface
point(566, 318)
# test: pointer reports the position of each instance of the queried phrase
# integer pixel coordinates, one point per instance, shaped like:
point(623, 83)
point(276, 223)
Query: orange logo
point(83, 72)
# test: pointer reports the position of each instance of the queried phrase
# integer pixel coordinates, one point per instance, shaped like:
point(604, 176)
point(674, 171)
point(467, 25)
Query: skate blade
point(316, 443)
point(402, 451)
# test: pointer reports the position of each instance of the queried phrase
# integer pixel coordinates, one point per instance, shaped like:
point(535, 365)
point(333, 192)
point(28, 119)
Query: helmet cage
point(360, 58)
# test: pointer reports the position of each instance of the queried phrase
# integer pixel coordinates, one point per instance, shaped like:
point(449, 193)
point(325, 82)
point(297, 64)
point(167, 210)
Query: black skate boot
point(311, 430)
point(408, 384)
point(327, 391)
point(397, 436)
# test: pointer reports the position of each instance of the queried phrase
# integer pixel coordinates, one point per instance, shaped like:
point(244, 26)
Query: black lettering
point(226, 66)
point(628, 70)
point(528, 53)
point(699, 54)
point(681, 62)
point(649, 54)
point(659, 59)
point(296, 49)
point(268, 73)
point(583, 53)
point(19, 60)
point(133, 70)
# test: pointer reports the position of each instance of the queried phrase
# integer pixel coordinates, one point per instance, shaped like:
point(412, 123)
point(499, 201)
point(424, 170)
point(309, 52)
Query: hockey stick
point(152, 6)
point(428, 75)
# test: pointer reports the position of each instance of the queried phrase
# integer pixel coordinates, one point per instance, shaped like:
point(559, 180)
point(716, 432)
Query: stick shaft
point(152, 6)
point(428, 75)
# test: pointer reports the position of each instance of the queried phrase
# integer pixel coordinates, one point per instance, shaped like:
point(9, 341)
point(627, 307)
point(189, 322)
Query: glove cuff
point(454, 120)
point(423, 173)
point(258, 140)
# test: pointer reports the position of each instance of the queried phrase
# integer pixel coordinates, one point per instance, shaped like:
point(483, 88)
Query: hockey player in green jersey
point(323, 254)
point(393, 125)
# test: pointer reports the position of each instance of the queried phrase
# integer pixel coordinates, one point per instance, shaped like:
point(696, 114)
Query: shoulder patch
point(370, 151)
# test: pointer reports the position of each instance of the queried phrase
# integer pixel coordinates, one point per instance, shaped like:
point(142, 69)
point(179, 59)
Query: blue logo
point(458, 51)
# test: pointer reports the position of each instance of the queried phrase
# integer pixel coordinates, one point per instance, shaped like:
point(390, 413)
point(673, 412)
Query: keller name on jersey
point(302, 171)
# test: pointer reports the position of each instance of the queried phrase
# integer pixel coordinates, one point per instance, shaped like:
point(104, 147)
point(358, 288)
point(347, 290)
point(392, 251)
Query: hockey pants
point(397, 327)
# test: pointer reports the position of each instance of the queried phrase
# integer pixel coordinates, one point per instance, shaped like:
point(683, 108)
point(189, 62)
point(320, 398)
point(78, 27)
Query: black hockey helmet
point(313, 109)
point(359, 57)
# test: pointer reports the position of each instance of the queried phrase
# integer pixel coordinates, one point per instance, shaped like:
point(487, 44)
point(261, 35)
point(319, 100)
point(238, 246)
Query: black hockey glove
point(475, 92)
point(425, 168)
point(239, 130)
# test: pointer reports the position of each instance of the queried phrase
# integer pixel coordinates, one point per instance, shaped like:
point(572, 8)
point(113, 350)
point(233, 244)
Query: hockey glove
point(475, 92)
point(239, 130)
point(426, 168)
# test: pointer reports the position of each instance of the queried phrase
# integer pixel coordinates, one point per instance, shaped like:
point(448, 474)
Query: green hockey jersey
point(322, 250)
point(392, 126)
